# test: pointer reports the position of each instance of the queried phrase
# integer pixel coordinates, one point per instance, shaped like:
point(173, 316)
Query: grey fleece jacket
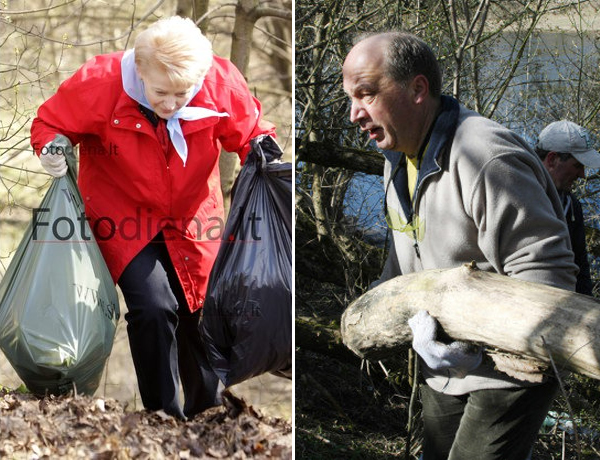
point(482, 195)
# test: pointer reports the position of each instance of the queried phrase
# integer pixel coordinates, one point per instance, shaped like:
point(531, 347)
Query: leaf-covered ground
point(84, 427)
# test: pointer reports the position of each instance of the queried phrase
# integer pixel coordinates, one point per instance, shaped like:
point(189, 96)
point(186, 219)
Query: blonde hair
point(177, 46)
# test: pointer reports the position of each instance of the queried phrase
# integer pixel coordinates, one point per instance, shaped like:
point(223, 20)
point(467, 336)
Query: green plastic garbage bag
point(58, 304)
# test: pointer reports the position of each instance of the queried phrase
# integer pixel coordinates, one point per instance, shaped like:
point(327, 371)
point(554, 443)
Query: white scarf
point(134, 87)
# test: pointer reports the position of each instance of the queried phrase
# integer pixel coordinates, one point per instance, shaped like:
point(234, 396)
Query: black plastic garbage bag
point(58, 304)
point(247, 317)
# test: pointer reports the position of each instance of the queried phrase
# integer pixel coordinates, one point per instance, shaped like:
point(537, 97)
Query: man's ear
point(419, 87)
point(552, 160)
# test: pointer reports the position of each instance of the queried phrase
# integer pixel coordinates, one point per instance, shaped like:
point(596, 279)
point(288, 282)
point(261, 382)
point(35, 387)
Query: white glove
point(52, 155)
point(458, 357)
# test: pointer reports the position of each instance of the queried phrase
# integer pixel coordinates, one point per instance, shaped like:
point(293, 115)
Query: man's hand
point(458, 357)
point(53, 153)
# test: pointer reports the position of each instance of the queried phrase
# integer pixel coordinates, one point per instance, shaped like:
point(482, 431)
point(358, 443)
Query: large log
point(521, 318)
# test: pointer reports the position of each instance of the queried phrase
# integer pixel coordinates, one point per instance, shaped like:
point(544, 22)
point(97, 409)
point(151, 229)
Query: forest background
point(42, 42)
point(522, 63)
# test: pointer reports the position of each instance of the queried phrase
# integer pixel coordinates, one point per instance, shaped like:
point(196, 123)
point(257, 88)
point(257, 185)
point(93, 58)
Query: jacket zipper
point(413, 206)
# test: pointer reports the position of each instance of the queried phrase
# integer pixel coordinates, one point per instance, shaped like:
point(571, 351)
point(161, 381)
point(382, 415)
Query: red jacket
point(131, 188)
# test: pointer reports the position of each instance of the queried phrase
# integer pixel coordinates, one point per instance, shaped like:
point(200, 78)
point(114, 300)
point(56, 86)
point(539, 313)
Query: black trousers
point(164, 338)
point(484, 424)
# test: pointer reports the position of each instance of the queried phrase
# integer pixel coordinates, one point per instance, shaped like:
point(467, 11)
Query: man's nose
point(357, 112)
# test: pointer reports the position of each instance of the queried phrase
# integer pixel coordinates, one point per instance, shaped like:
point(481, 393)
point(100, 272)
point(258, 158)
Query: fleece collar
point(440, 141)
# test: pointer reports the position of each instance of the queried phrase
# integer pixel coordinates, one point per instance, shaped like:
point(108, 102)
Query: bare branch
point(6, 13)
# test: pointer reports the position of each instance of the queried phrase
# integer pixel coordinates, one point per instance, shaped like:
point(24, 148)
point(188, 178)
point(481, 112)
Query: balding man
point(458, 188)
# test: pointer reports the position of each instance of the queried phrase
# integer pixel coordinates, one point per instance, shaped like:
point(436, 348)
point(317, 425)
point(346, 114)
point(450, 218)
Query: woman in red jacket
point(150, 124)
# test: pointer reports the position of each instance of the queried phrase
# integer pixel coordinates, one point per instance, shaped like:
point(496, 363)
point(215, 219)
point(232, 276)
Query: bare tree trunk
point(518, 317)
point(282, 31)
point(240, 55)
point(247, 12)
point(194, 9)
point(229, 167)
point(241, 45)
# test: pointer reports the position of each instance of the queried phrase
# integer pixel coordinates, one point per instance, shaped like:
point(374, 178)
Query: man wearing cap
point(566, 150)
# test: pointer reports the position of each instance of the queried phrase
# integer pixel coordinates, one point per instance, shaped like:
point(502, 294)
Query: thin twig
point(37, 10)
point(95, 42)
point(411, 404)
point(387, 375)
point(564, 393)
point(313, 434)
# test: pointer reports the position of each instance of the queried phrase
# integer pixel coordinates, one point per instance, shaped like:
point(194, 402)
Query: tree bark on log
point(521, 318)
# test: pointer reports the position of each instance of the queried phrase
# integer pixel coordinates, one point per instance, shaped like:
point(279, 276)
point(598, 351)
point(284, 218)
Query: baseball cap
point(568, 137)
